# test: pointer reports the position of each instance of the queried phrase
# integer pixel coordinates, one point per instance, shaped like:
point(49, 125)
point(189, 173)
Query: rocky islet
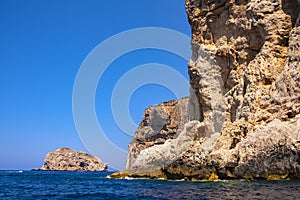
point(66, 159)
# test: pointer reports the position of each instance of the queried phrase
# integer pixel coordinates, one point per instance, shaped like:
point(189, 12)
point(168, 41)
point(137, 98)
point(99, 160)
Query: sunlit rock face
point(160, 124)
point(242, 119)
point(65, 159)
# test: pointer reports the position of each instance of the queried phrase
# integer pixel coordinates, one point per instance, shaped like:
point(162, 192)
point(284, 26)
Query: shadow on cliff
point(292, 8)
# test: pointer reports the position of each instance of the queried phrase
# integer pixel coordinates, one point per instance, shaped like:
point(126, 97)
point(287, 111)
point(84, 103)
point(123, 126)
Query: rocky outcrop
point(66, 159)
point(271, 151)
point(160, 123)
point(244, 104)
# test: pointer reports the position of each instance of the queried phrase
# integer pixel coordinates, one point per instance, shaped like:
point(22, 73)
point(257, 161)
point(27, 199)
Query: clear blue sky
point(42, 46)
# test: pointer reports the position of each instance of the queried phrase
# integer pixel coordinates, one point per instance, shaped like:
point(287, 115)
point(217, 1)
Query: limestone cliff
point(65, 159)
point(160, 123)
point(243, 115)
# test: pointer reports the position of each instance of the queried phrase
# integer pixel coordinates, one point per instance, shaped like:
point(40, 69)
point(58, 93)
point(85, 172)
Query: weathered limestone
point(160, 123)
point(244, 105)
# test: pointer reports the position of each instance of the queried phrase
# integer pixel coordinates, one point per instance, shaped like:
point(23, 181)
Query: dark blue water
point(78, 185)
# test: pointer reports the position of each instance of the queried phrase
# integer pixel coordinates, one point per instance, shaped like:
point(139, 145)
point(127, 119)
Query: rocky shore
point(65, 159)
point(242, 118)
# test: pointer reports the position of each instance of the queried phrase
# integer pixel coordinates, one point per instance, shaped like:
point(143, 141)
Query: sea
point(96, 185)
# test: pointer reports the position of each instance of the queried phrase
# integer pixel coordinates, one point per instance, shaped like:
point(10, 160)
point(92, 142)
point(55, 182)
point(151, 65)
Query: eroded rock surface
point(244, 105)
point(65, 159)
point(160, 123)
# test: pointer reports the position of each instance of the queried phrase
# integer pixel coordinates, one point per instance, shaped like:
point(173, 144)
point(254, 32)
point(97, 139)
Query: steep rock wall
point(244, 104)
point(160, 123)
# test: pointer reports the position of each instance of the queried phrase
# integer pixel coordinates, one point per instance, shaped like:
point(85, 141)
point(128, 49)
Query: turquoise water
point(92, 185)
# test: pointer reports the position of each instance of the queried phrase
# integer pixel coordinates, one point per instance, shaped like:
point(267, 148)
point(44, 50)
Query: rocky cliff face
point(244, 105)
point(160, 123)
point(66, 159)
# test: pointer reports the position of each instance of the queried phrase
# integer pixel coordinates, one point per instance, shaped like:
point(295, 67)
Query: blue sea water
point(95, 185)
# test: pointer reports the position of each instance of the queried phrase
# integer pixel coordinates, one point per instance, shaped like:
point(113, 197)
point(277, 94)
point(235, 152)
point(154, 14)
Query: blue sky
point(43, 44)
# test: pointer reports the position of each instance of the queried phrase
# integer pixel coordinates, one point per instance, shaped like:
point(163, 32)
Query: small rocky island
point(66, 159)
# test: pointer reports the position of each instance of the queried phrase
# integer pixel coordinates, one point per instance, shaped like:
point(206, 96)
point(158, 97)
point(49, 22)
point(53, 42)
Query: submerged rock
point(242, 118)
point(65, 159)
